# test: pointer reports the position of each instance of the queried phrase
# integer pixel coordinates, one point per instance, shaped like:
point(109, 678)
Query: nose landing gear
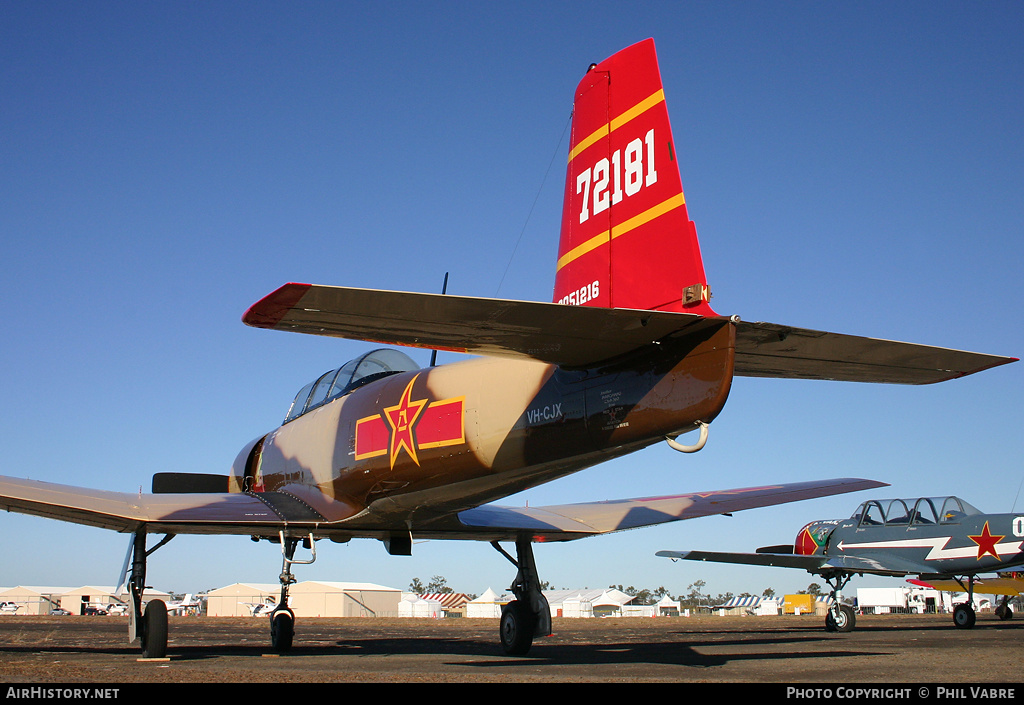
point(282, 618)
point(840, 617)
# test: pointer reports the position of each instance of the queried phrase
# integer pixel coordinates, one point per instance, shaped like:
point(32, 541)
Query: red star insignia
point(402, 418)
point(987, 542)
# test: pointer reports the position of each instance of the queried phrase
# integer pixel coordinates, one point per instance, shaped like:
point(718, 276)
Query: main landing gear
point(964, 616)
point(528, 616)
point(282, 619)
point(840, 617)
point(150, 626)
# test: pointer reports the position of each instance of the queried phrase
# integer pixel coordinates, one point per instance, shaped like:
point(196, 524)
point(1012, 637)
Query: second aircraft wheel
point(963, 616)
point(843, 619)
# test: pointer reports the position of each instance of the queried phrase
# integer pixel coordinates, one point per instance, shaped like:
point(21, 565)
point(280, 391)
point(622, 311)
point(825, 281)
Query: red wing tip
point(268, 311)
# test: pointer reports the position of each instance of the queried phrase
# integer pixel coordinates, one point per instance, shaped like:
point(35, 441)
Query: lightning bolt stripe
point(937, 545)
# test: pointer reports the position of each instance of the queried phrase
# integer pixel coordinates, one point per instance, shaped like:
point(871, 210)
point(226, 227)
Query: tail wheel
point(154, 630)
point(517, 627)
point(282, 630)
point(963, 616)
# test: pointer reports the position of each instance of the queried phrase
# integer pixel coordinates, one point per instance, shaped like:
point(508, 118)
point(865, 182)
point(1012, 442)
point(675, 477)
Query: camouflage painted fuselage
point(424, 444)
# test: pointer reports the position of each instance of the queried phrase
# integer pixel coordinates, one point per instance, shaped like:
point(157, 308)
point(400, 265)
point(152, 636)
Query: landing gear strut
point(1004, 611)
point(149, 627)
point(529, 615)
point(840, 617)
point(963, 614)
point(282, 619)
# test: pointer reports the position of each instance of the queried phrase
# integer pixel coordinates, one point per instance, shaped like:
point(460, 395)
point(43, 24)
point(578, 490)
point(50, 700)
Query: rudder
point(626, 239)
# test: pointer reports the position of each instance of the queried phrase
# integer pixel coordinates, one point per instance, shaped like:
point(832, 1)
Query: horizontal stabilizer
point(581, 336)
point(573, 336)
point(770, 350)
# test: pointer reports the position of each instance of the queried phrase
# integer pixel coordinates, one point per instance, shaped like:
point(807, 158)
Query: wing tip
point(268, 311)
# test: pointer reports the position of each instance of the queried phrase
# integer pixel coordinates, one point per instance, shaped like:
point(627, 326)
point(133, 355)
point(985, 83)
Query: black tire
point(282, 631)
point(964, 616)
point(845, 619)
point(517, 627)
point(830, 622)
point(154, 630)
point(1004, 612)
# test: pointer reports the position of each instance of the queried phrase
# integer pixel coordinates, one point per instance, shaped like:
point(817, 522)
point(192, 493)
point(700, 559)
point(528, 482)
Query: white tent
point(667, 607)
point(412, 605)
point(587, 603)
point(486, 606)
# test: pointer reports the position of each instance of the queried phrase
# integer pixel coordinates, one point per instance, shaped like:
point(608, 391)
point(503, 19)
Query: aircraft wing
point(776, 560)
point(305, 509)
point(580, 336)
point(571, 521)
point(193, 513)
point(817, 564)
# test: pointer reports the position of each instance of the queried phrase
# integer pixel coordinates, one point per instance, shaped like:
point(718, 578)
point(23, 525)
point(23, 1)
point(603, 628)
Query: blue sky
point(853, 167)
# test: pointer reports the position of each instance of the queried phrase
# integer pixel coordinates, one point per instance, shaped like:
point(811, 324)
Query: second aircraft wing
point(817, 564)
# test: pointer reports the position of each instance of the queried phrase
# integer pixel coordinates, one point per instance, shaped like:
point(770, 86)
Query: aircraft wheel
point(517, 626)
point(845, 619)
point(282, 630)
point(830, 622)
point(1004, 612)
point(841, 620)
point(963, 616)
point(154, 630)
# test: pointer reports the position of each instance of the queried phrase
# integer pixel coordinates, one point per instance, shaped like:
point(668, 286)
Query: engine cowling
point(813, 538)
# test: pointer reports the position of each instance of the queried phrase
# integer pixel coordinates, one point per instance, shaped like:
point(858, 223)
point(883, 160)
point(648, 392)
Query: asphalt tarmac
point(886, 649)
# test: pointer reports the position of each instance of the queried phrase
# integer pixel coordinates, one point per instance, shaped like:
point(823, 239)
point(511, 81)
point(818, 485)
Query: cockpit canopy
point(926, 510)
point(352, 375)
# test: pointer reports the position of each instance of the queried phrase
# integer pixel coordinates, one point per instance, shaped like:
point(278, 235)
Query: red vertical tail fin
point(627, 241)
